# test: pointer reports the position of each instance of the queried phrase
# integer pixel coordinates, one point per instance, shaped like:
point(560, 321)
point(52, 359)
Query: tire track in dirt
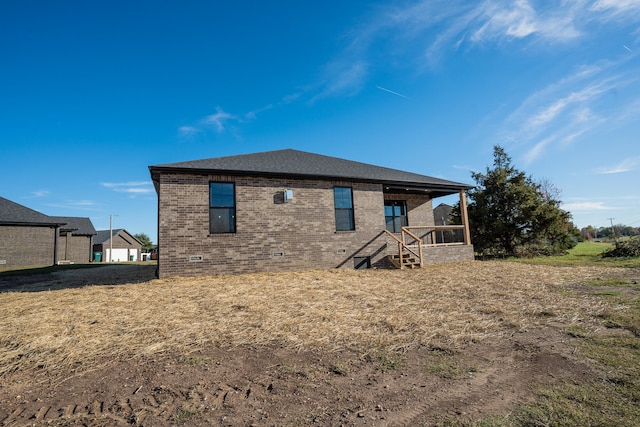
point(503, 380)
point(162, 404)
point(460, 399)
point(248, 386)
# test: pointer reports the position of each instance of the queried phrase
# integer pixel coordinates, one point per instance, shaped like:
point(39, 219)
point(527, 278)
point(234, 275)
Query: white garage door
point(119, 255)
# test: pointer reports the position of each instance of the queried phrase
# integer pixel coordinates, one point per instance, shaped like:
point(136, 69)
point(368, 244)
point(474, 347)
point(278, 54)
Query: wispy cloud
point(616, 9)
point(439, 27)
point(586, 206)
point(84, 205)
point(132, 187)
point(218, 120)
point(341, 78)
point(188, 132)
point(627, 165)
point(423, 33)
point(40, 193)
point(431, 29)
point(496, 21)
point(537, 150)
point(288, 99)
point(573, 106)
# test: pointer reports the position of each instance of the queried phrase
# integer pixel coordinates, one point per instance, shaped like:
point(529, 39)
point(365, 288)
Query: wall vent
point(195, 258)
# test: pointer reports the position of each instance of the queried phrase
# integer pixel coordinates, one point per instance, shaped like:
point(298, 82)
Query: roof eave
point(417, 186)
point(35, 224)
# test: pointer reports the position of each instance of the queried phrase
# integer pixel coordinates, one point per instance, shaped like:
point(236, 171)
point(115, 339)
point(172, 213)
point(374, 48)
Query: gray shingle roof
point(16, 214)
point(104, 235)
point(78, 225)
point(306, 165)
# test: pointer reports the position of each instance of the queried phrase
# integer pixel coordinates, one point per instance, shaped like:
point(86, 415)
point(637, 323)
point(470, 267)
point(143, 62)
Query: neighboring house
point(75, 239)
point(289, 210)
point(27, 237)
point(124, 245)
point(442, 216)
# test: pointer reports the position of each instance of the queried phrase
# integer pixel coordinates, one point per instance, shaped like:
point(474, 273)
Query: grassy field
point(584, 254)
point(381, 312)
point(614, 398)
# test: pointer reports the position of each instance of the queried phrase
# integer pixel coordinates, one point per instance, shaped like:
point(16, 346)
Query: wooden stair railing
point(402, 247)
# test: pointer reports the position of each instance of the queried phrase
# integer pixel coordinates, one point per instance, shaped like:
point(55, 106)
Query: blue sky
point(92, 93)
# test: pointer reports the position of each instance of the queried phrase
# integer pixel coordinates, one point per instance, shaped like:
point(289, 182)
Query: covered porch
point(427, 243)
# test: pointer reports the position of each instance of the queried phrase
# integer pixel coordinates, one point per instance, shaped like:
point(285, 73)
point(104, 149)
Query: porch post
point(465, 217)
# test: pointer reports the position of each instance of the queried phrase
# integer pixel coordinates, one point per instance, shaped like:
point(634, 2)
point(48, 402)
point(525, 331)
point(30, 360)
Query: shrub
point(627, 249)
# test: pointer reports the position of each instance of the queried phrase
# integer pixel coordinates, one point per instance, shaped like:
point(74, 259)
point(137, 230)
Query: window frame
point(339, 210)
point(229, 207)
point(404, 219)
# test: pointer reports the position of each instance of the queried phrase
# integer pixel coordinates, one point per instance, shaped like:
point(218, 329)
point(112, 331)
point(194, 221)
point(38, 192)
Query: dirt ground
point(269, 386)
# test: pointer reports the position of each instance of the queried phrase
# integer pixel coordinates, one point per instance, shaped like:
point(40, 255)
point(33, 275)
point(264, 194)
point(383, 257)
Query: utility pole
point(613, 230)
point(111, 236)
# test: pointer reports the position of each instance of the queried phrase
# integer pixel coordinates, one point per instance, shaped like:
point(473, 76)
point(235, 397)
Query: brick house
point(75, 240)
point(291, 210)
point(443, 215)
point(27, 237)
point(124, 245)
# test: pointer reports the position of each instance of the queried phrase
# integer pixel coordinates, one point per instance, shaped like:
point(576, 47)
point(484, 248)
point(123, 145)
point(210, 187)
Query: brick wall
point(26, 246)
point(272, 235)
point(441, 254)
point(74, 248)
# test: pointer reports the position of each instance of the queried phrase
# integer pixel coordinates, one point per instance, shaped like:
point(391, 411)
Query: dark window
point(344, 209)
point(395, 215)
point(361, 262)
point(222, 207)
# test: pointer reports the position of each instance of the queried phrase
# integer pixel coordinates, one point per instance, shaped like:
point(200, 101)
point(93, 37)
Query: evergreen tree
point(511, 215)
point(147, 244)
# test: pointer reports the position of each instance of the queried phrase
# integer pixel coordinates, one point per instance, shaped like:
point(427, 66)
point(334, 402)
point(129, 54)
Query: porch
point(417, 245)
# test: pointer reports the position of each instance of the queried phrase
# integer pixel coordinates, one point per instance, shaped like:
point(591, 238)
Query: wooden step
point(408, 260)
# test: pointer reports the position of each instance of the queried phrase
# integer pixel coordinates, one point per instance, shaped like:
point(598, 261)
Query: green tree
point(512, 215)
point(589, 232)
point(147, 244)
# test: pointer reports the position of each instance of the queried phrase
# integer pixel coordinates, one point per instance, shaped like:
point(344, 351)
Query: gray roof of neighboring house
point(300, 164)
point(442, 211)
point(103, 236)
point(77, 225)
point(12, 213)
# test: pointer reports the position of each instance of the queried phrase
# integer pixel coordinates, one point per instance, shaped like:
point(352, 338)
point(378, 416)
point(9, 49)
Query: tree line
point(591, 233)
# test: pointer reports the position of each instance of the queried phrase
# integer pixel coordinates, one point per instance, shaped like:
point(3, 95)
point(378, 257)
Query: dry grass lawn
point(442, 305)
